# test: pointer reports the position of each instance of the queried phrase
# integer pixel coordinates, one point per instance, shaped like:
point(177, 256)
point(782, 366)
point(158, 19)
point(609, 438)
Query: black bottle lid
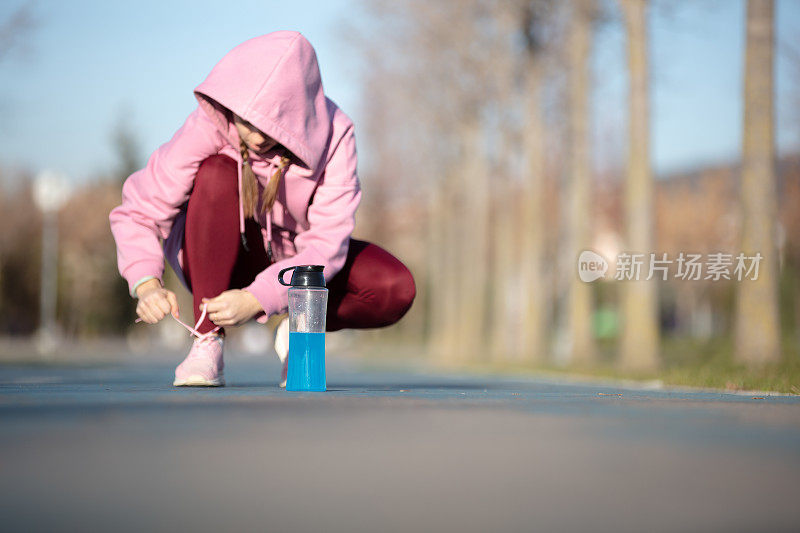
point(304, 276)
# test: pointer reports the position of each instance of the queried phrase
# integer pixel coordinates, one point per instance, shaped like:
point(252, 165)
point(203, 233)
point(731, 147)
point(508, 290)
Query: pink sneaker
point(203, 366)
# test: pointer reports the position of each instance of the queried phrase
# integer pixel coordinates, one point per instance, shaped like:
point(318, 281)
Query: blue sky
point(696, 61)
point(90, 63)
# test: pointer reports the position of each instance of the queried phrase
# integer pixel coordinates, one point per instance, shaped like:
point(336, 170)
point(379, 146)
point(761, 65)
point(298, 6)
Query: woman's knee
point(398, 292)
point(216, 180)
point(374, 289)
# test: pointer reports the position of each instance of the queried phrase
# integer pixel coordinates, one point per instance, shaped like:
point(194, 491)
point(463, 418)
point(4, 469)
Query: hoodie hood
point(273, 82)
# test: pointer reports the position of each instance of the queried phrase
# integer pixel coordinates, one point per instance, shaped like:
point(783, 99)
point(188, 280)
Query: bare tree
point(474, 237)
point(13, 32)
point(577, 308)
point(504, 223)
point(470, 109)
point(536, 292)
point(757, 316)
point(438, 57)
point(639, 348)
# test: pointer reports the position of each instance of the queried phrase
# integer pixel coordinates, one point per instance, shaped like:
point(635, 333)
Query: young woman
point(261, 176)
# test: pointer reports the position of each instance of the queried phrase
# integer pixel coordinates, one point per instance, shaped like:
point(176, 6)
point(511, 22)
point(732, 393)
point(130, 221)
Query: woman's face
point(252, 137)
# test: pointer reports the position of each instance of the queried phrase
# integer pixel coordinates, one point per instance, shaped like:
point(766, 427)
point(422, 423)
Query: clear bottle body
point(307, 309)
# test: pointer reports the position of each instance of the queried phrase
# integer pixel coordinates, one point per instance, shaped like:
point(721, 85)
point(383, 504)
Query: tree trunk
point(640, 333)
point(504, 275)
point(447, 277)
point(757, 320)
point(578, 305)
point(535, 291)
point(434, 288)
point(473, 227)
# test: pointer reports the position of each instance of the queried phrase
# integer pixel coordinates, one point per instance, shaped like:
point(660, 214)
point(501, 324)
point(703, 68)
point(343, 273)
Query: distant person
point(261, 176)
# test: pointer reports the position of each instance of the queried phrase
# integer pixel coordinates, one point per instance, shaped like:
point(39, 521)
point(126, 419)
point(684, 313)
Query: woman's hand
point(155, 302)
point(232, 308)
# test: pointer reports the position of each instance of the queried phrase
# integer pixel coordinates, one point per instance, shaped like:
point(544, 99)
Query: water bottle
point(308, 304)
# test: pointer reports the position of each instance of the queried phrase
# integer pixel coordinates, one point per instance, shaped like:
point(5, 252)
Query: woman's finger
point(218, 317)
point(149, 302)
point(224, 322)
point(214, 300)
point(140, 310)
point(214, 306)
point(173, 303)
point(151, 318)
point(228, 317)
point(163, 305)
point(146, 315)
point(155, 311)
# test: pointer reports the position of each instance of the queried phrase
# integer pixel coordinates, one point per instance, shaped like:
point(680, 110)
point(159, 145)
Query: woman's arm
point(331, 218)
point(152, 197)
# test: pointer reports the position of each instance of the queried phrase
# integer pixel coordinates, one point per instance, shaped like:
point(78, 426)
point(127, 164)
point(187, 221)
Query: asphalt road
point(102, 448)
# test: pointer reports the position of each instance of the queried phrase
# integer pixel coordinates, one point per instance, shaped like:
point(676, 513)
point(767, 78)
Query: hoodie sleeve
point(331, 218)
point(153, 196)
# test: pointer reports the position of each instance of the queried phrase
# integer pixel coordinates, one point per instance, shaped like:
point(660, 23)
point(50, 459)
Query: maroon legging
point(372, 290)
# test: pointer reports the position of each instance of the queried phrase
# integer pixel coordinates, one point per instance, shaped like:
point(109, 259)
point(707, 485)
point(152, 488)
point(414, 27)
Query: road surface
point(115, 447)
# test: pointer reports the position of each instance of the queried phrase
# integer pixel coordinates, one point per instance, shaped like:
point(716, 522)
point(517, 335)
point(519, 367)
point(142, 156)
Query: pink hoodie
point(273, 82)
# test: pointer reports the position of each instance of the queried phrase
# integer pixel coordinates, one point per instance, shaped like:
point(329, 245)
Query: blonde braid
point(271, 191)
point(249, 183)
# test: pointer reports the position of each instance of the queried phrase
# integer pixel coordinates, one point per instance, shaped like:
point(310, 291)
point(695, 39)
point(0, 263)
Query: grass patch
point(692, 363)
point(711, 364)
point(684, 362)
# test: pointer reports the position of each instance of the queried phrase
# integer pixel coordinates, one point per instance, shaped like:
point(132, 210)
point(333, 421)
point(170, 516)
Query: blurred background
point(497, 140)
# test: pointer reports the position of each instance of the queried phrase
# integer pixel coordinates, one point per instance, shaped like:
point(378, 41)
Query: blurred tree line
point(478, 173)
point(92, 298)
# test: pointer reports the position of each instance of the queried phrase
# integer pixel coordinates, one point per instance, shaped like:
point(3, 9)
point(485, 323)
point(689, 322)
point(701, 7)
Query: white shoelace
point(193, 330)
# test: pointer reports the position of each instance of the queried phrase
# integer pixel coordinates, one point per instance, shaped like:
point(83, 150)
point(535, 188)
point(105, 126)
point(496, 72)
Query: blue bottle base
point(306, 362)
